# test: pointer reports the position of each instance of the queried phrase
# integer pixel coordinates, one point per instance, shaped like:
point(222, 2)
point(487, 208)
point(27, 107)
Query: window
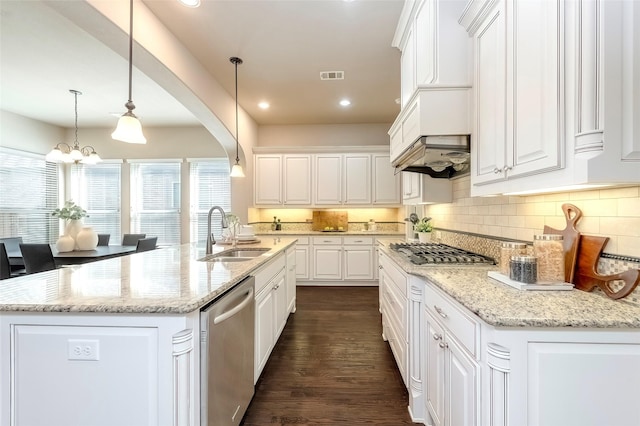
point(96, 188)
point(155, 200)
point(210, 186)
point(28, 194)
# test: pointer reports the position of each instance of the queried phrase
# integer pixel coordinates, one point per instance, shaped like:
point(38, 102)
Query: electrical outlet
point(83, 350)
point(437, 234)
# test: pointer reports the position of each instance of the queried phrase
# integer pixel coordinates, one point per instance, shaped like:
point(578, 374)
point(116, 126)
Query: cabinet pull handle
point(326, 241)
point(357, 241)
point(506, 168)
point(440, 311)
point(443, 345)
point(496, 170)
point(379, 266)
point(437, 336)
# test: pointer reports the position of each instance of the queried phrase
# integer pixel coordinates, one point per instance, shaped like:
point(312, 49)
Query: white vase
point(424, 237)
point(87, 239)
point(73, 227)
point(65, 243)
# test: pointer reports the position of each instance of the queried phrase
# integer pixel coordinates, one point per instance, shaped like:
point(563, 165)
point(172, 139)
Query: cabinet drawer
point(303, 241)
point(465, 329)
point(268, 271)
point(355, 241)
point(319, 241)
point(396, 307)
point(396, 276)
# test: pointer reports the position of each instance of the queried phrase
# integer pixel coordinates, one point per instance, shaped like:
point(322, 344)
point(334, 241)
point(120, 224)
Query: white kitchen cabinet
point(282, 179)
point(327, 258)
point(519, 101)
point(267, 179)
point(386, 183)
point(392, 286)
point(291, 278)
point(342, 179)
point(303, 263)
point(358, 258)
point(421, 188)
point(555, 91)
point(271, 309)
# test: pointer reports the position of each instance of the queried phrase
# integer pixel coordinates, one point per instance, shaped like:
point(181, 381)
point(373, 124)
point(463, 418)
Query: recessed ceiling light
point(263, 105)
point(345, 102)
point(190, 3)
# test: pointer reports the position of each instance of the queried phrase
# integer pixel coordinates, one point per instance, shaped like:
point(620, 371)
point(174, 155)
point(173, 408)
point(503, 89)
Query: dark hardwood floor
point(331, 366)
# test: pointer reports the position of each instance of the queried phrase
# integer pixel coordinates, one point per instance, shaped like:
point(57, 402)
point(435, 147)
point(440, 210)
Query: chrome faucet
point(210, 238)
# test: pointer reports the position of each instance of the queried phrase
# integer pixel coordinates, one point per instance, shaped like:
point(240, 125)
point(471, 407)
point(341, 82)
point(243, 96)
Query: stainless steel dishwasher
point(226, 348)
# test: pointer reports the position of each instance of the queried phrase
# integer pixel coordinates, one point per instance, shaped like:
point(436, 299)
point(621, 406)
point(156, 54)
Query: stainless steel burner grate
point(431, 253)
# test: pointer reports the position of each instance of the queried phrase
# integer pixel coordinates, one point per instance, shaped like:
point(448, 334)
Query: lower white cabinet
point(303, 263)
point(291, 274)
point(348, 258)
point(271, 310)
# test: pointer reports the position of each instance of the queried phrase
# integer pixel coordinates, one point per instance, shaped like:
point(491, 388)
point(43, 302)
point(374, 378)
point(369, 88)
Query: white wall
point(324, 135)
point(29, 135)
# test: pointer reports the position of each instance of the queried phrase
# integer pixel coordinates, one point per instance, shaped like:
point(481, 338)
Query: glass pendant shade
point(55, 155)
point(236, 171)
point(75, 154)
point(129, 129)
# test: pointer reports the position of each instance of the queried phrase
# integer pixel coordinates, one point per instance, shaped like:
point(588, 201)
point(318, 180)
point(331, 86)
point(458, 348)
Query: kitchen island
point(114, 342)
point(475, 351)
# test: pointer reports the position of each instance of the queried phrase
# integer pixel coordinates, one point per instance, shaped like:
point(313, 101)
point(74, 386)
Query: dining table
point(76, 257)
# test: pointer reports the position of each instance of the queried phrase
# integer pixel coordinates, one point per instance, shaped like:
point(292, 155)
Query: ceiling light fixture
point(129, 128)
point(63, 153)
point(236, 170)
point(345, 102)
point(190, 3)
point(264, 105)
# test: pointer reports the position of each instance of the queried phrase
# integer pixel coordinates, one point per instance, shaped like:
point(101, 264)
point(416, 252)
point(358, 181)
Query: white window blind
point(28, 194)
point(210, 186)
point(96, 188)
point(155, 200)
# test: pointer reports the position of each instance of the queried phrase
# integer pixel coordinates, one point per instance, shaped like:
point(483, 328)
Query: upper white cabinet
point(435, 73)
point(282, 179)
point(342, 179)
point(386, 183)
point(418, 188)
point(324, 179)
point(556, 94)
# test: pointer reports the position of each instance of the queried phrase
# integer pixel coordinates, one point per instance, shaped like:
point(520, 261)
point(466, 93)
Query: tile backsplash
point(613, 213)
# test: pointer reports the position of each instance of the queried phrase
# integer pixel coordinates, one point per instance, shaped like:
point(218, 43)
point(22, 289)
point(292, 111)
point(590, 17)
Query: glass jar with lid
point(523, 269)
point(507, 250)
point(549, 250)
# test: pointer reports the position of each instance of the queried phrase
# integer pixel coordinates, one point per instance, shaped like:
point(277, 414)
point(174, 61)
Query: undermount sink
point(234, 255)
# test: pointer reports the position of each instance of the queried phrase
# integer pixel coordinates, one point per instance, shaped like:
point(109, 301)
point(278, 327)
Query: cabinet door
point(264, 327)
point(267, 183)
point(410, 187)
point(407, 70)
point(328, 179)
point(386, 184)
point(327, 262)
point(435, 370)
point(460, 384)
point(279, 304)
point(302, 262)
point(358, 262)
point(297, 179)
point(357, 179)
point(488, 155)
point(535, 87)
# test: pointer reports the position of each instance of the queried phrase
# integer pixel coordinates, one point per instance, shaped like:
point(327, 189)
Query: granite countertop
point(334, 233)
point(500, 305)
point(164, 281)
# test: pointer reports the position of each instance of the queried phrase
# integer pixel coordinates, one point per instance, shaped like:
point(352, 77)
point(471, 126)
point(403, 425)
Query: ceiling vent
point(332, 75)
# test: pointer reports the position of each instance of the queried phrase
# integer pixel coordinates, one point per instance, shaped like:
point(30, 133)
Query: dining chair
point(146, 244)
point(37, 257)
point(5, 266)
point(103, 239)
point(131, 239)
point(11, 244)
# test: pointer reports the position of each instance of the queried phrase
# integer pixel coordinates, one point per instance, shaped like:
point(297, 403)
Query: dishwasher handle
point(231, 312)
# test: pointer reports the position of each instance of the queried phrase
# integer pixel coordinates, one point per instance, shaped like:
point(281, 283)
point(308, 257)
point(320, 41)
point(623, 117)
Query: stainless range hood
point(443, 157)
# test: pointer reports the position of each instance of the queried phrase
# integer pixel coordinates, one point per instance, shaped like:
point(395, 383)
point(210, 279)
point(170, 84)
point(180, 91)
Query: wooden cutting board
point(330, 219)
point(571, 239)
point(587, 278)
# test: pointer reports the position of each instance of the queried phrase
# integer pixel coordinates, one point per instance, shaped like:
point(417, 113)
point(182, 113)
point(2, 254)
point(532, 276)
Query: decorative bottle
point(274, 224)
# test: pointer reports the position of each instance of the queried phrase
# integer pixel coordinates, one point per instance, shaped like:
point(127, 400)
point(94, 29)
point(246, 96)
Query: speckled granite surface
point(338, 234)
point(503, 306)
point(165, 281)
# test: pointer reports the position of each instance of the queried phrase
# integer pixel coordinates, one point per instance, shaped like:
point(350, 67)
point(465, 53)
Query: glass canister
point(549, 250)
point(507, 250)
point(523, 269)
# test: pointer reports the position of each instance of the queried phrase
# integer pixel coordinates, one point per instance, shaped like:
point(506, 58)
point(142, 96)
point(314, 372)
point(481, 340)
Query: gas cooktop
point(432, 253)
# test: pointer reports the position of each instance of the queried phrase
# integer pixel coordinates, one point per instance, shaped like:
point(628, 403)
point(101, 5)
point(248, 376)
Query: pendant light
point(129, 128)
point(63, 153)
point(236, 170)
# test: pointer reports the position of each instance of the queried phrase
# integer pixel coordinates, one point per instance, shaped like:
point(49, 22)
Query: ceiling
point(284, 44)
